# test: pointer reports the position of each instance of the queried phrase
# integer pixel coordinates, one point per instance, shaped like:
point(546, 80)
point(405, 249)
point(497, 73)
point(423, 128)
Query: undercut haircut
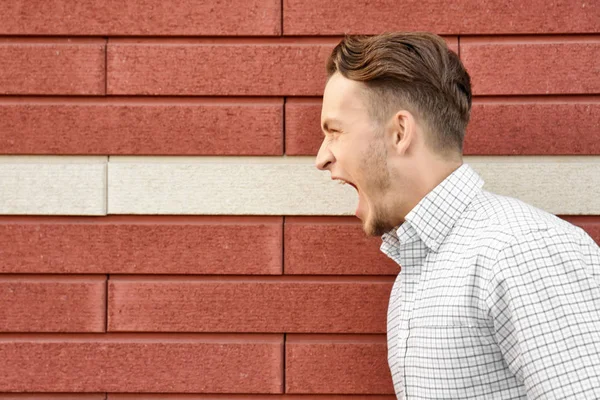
point(415, 71)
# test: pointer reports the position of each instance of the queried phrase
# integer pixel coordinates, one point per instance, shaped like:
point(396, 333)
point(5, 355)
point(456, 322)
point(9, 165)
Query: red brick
point(141, 126)
point(52, 396)
point(52, 303)
point(242, 67)
point(132, 396)
point(333, 246)
point(141, 245)
point(303, 135)
point(532, 65)
point(314, 17)
point(501, 126)
point(57, 66)
point(589, 223)
point(244, 304)
point(337, 364)
point(538, 127)
point(146, 363)
point(140, 17)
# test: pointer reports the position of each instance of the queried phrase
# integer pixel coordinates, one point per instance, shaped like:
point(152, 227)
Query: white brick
point(52, 185)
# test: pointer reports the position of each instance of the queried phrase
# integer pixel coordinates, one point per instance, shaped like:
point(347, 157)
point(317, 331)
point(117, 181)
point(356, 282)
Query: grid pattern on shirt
point(495, 300)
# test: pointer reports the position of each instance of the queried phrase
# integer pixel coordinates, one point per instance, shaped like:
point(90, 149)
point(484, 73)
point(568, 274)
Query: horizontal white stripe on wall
point(53, 185)
point(76, 185)
point(292, 185)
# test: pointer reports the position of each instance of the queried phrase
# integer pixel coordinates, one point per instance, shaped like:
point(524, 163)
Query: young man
point(496, 299)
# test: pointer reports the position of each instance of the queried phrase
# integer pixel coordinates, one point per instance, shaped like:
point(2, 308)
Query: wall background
point(163, 229)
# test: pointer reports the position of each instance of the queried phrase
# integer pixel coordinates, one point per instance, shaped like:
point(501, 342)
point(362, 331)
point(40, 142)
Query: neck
point(420, 177)
point(431, 173)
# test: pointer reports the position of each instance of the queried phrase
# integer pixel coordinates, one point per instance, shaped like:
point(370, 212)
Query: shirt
point(496, 299)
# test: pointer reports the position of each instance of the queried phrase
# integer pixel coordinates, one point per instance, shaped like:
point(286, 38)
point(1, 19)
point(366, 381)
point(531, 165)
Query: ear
point(402, 131)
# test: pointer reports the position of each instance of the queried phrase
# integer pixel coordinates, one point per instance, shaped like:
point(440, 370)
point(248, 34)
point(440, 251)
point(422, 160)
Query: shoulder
point(496, 227)
point(513, 221)
point(532, 244)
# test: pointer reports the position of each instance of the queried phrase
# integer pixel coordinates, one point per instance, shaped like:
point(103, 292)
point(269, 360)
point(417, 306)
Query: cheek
point(376, 179)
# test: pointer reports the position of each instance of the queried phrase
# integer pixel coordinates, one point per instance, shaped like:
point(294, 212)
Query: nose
point(325, 157)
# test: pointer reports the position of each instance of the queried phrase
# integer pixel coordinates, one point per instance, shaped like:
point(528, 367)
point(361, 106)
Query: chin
point(373, 228)
point(376, 225)
point(368, 230)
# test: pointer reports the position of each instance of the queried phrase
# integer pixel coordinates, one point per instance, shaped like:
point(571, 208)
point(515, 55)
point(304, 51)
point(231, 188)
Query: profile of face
point(354, 151)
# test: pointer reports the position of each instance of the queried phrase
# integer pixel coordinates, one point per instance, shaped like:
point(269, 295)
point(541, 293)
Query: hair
point(414, 71)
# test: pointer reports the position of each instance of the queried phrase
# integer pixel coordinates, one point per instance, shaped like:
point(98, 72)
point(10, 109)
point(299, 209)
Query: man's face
point(354, 150)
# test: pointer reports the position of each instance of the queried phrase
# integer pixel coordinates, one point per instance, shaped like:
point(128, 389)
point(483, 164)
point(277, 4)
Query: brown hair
point(415, 71)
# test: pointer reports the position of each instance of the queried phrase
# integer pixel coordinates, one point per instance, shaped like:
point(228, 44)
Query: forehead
point(343, 99)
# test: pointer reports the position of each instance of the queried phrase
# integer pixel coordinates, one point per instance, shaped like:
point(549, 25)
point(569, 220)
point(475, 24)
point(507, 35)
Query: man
point(496, 299)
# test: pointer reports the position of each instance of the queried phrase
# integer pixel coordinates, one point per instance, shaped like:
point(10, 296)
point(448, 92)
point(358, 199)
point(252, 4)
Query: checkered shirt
point(496, 299)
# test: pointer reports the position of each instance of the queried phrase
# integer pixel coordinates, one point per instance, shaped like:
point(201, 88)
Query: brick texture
point(52, 303)
point(314, 17)
point(501, 126)
point(333, 246)
point(539, 66)
point(37, 66)
point(246, 68)
point(303, 135)
point(140, 17)
point(141, 126)
point(556, 127)
point(337, 364)
point(148, 363)
point(150, 245)
point(248, 305)
point(52, 396)
point(129, 396)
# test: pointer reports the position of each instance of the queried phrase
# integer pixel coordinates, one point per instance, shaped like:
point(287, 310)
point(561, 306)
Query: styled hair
point(414, 71)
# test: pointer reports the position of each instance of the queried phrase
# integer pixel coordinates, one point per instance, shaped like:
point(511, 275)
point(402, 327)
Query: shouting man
point(495, 299)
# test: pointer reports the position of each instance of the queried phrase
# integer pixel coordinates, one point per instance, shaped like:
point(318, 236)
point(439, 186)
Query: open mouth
point(342, 181)
point(345, 182)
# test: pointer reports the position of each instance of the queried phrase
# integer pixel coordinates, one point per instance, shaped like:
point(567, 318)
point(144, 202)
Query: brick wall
point(163, 229)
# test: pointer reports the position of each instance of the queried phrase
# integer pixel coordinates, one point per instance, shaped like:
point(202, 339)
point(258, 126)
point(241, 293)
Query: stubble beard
point(376, 225)
point(375, 166)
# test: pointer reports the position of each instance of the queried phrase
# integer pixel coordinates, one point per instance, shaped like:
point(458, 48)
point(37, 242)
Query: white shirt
point(495, 299)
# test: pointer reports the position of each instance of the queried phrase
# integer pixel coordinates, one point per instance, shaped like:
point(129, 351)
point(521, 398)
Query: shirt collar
point(434, 216)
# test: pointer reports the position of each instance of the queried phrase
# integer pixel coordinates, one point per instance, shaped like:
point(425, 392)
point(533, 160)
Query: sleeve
point(544, 300)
